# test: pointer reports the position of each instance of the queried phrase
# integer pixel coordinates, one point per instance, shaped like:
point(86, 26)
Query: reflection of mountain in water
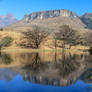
point(87, 76)
point(61, 69)
point(6, 74)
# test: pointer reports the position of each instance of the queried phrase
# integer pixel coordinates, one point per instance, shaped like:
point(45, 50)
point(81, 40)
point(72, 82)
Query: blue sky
point(20, 7)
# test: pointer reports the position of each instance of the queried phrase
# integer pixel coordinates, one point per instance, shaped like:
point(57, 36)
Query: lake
point(46, 72)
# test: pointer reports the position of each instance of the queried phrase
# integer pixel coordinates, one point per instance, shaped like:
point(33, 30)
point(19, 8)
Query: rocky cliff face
point(87, 20)
point(6, 20)
point(50, 14)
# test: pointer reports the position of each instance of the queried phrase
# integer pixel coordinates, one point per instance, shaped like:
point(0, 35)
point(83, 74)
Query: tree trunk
point(37, 45)
point(55, 43)
point(0, 48)
point(63, 44)
point(70, 46)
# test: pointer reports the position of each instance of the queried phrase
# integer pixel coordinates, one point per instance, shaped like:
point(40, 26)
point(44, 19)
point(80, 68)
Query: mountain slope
point(6, 20)
point(87, 20)
point(49, 20)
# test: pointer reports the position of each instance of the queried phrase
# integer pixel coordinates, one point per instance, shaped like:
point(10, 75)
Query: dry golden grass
point(45, 46)
point(15, 35)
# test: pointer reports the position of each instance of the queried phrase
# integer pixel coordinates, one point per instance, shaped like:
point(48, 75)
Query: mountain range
point(49, 20)
point(6, 20)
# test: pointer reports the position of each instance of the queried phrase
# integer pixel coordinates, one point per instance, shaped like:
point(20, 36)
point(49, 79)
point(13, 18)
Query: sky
point(21, 7)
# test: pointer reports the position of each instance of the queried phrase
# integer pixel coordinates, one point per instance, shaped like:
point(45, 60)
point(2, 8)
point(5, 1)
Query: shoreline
point(20, 50)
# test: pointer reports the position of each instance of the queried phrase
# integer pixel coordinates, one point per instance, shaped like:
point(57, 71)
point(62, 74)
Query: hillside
point(49, 20)
point(87, 20)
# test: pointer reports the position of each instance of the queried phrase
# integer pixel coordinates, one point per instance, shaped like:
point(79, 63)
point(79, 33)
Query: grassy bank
point(20, 50)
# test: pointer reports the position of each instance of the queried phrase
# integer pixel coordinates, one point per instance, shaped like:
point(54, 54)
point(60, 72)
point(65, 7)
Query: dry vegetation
point(65, 37)
point(15, 35)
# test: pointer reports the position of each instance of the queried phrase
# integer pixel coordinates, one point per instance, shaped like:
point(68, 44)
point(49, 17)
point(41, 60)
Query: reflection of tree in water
point(51, 72)
point(88, 59)
point(6, 58)
point(36, 65)
point(67, 65)
point(26, 58)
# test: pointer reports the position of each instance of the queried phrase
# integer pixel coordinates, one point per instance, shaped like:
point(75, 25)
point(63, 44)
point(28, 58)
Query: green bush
point(6, 41)
point(1, 29)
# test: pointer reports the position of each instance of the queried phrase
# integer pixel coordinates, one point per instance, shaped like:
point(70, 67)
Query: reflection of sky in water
point(19, 85)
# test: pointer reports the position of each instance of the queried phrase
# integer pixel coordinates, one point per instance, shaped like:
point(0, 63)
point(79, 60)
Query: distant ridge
point(87, 20)
point(6, 20)
point(51, 20)
point(50, 14)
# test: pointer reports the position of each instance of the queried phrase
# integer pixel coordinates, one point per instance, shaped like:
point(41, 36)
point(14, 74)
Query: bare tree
point(55, 40)
point(68, 36)
point(88, 39)
point(35, 37)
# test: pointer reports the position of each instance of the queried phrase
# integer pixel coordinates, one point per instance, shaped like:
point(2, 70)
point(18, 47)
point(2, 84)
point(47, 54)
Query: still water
point(46, 72)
